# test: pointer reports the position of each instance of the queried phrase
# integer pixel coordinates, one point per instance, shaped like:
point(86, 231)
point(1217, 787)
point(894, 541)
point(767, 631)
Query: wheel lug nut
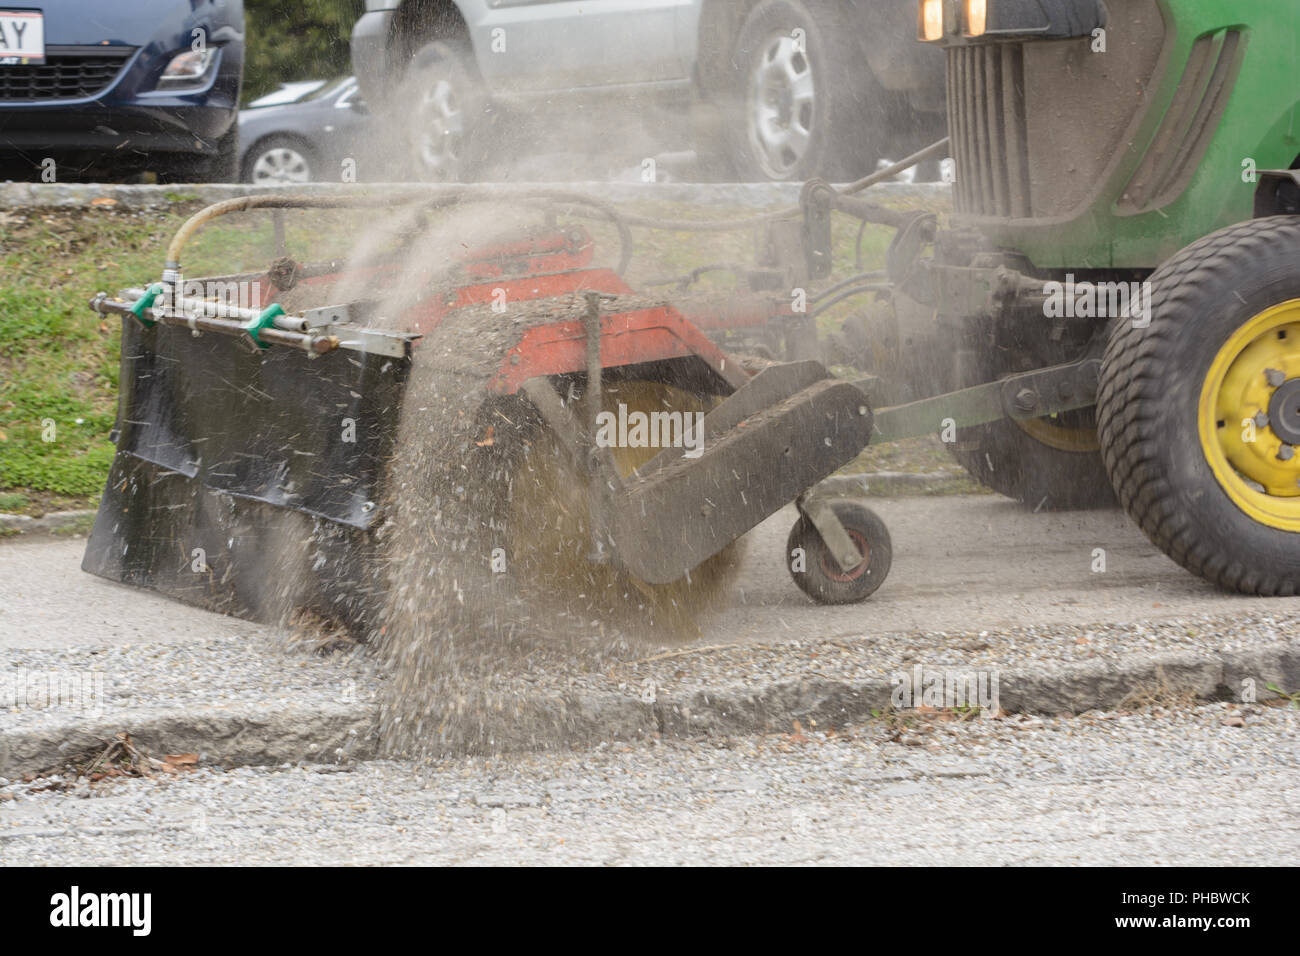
point(1261, 420)
point(1285, 453)
point(1274, 377)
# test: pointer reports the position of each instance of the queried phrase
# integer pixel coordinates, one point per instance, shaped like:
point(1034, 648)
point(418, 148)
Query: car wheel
point(442, 103)
point(278, 160)
point(804, 103)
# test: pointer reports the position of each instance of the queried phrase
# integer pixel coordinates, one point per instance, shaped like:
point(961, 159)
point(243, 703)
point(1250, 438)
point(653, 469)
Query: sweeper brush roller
point(526, 417)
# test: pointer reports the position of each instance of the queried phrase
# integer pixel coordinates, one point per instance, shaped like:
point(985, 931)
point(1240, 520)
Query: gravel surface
point(1216, 784)
point(1184, 785)
point(1046, 647)
point(958, 598)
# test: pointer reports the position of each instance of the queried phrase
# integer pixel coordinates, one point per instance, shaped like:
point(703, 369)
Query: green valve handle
point(264, 321)
point(145, 302)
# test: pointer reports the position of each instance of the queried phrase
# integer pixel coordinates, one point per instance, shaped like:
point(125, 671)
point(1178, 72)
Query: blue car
point(90, 88)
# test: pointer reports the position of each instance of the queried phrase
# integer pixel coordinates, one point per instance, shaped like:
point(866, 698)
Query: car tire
point(221, 166)
point(802, 110)
point(280, 159)
point(443, 106)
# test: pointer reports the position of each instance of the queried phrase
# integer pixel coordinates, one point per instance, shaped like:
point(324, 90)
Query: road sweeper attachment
point(263, 451)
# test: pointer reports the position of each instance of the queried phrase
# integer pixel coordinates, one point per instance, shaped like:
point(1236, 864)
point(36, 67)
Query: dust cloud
point(481, 553)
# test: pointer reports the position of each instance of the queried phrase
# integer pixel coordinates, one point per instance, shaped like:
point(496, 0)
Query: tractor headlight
point(930, 22)
point(1022, 19)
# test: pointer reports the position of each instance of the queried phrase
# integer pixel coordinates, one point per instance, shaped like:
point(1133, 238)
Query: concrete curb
point(51, 523)
point(344, 733)
point(325, 734)
point(756, 195)
point(1070, 690)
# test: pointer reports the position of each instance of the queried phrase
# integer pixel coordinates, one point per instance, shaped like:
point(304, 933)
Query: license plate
point(22, 37)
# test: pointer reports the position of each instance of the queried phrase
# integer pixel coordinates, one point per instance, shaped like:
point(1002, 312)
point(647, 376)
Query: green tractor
point(1123, 265)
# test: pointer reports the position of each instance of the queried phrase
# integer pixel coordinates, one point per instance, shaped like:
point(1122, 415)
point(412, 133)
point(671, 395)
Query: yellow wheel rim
point(1063, 432)
point(1252, 386)
point(1050, 432)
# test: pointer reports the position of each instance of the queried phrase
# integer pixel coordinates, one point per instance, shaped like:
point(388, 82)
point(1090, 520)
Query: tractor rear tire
point(1044, 467)
point(1197, 411)
point(1050, 464)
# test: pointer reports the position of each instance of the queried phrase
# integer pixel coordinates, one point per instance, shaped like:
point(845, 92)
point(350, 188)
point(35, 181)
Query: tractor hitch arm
point(1045, 391)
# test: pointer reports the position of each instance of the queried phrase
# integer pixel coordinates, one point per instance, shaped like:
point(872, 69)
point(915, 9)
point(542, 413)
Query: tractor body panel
point(1114, 151)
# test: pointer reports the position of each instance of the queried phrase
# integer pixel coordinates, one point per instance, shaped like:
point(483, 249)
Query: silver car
point(774, 89)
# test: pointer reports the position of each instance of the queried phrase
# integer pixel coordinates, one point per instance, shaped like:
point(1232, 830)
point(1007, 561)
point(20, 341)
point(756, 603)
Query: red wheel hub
point(831, 568)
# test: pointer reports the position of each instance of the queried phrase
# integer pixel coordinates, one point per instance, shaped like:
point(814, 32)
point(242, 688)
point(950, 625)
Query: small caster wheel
point(821, 577)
